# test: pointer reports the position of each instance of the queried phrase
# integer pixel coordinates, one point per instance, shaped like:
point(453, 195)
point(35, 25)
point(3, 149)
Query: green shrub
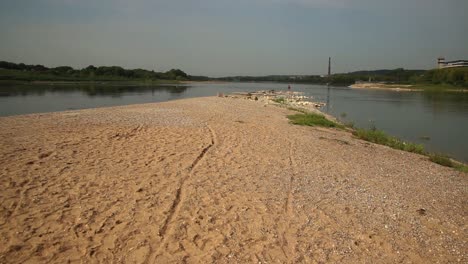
point(441, 160)
point(280, 100)
point(376, 136)
point(298, 110)
point(461, 167)
point(447, 162)
point(310, 119)
point(379, 137)
point(350, 124)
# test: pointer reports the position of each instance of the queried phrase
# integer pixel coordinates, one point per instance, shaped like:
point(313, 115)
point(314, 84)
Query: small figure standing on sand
point(289, 87)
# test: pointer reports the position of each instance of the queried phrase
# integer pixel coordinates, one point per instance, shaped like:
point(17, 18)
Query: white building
point(441, 63)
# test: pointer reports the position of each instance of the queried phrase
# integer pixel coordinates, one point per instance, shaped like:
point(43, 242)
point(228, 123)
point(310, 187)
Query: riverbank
point(218, 180)
point(384, 86)
point(409, 87)
point(204, 82)
point(93, 83)
point(32, 73)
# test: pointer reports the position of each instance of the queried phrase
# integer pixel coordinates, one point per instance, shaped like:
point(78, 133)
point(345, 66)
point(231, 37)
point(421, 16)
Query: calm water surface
point(437, 120)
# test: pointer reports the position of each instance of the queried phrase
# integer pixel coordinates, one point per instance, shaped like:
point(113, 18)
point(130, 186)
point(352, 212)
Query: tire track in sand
point(289, 238)
point(174, 210)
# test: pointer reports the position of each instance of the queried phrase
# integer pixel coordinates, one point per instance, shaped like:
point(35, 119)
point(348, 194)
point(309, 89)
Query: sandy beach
point(218, 180)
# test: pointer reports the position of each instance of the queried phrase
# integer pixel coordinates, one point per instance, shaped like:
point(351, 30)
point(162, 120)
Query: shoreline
point(204, 82)
point(371, 86)
point(194, 180)
point(108, 83)
point(405, 87)
point(382, 86)
point(313, 107)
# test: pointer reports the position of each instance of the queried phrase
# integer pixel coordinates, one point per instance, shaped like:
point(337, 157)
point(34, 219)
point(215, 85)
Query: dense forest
point(23, 72)
point(451, 76)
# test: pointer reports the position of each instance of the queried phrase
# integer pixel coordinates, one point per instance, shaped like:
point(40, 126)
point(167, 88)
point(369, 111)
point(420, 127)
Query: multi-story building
point(441, 63)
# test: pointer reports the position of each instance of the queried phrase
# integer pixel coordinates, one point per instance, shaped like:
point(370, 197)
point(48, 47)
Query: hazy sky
point(235, 37)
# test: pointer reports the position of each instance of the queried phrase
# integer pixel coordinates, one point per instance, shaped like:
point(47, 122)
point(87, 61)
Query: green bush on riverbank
point(443, 78)
point(375, 136)
point(380, 137)
point(447, 162)
point(311, 119)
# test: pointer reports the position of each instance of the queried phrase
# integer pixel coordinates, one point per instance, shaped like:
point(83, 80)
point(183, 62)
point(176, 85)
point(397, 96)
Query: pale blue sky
point(241, 37)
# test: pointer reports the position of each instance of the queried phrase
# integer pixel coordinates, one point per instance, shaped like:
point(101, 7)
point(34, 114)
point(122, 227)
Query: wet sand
point(218, 180)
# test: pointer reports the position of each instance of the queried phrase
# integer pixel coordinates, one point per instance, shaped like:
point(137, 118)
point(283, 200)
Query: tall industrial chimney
point(329, 66)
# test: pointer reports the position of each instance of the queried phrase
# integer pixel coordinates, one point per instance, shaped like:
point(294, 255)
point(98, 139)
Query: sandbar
point(218, 180)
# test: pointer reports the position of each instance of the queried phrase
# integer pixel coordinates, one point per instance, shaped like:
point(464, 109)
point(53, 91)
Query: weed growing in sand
point(441, 160)
point(280, 100)
point(447, 162)
point(298, 110)
point(379, 137)
point(311, 119)
point(373, 135)
point(462, 168)
point(350, 124)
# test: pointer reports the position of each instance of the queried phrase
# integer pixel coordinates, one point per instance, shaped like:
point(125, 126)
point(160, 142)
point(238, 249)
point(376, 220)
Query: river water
point(437, 120)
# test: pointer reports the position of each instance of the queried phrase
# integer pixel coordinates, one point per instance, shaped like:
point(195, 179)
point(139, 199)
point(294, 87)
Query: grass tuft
point(298, 110)
point(461, 167)
point(280, 100)
point(379, 137)
point(350, 124)
point(441, 160)
point(311, 119)
point(447, 162)
point(374, 135)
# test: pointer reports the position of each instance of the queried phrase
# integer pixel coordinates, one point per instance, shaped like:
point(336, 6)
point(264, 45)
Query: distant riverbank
point(203, 82)
point(393, 87)
point(33, 73)
point(409, 87)
point(91, 83)
point(135, 82)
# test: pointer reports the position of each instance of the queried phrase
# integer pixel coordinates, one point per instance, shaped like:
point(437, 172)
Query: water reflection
point(448, 101)
point(88, 89)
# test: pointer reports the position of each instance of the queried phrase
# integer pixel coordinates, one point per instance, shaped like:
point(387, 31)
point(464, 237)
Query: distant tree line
point(396, 76)
point(23, 71)
point(452, 76)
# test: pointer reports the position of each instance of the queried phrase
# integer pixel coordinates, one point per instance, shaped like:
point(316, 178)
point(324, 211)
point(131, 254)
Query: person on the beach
point(289, 87)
